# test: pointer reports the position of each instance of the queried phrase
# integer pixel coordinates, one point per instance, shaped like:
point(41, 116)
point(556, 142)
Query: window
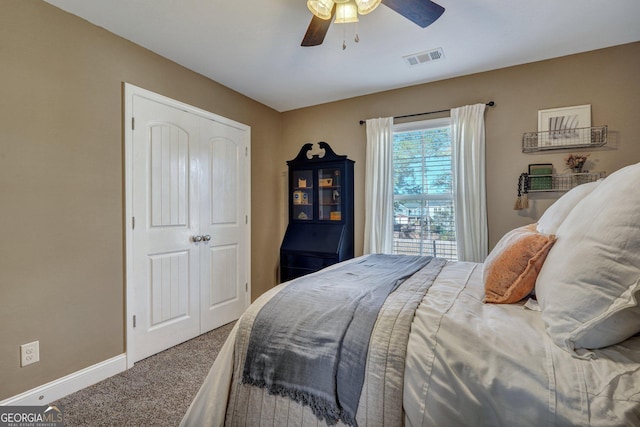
point(424, 221)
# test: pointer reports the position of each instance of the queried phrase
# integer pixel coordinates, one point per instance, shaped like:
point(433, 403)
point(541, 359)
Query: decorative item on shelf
point(543, 182)
point(562, 124)
point(576, 162)
point(335, 216)
point(325, 182)
point(302, 182)
point(522, 202)
point(300, 198)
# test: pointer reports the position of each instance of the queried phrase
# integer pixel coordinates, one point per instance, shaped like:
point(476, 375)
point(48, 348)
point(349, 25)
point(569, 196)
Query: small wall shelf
point(560, 182)
point(589, 137)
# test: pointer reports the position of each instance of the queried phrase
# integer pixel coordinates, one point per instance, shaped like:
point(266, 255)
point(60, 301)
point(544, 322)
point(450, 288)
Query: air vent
point(422, 57)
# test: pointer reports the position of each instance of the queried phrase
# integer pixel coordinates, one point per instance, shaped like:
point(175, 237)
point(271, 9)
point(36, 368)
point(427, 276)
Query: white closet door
point(223, 222)
point(165, 207)
point(188, 247)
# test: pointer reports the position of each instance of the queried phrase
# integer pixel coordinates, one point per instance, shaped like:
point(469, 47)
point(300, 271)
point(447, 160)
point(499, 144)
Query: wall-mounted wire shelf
point(595, 136)
point(561, 182)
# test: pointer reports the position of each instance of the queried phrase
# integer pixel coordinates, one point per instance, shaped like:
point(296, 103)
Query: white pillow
point(558, 211)
point(588, 285)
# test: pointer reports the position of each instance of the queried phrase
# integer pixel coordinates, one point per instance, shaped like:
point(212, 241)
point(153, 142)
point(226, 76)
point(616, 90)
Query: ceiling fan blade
point(317, 30)
point(422, 12)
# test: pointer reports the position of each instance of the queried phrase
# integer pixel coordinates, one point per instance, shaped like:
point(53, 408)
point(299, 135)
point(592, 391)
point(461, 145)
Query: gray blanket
point(310, 342)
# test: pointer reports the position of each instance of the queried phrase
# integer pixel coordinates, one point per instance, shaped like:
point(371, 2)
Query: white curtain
point(468, 140)
point(378, 223)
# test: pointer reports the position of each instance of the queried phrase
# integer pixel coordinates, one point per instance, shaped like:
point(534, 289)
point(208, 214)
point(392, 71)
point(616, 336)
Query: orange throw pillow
point(511, 269)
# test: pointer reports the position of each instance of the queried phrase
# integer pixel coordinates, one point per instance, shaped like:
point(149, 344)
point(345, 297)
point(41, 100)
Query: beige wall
point(607, 79)
point(61, 183)
point(61, 166)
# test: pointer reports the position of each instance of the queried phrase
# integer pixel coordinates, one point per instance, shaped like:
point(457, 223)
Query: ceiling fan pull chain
point(344, 37)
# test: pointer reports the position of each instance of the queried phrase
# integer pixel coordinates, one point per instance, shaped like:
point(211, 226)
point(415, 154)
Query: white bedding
point(476, 364)
point(494, 365)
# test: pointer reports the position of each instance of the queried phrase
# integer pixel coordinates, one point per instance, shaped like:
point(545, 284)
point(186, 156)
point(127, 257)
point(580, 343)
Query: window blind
point(424, 220)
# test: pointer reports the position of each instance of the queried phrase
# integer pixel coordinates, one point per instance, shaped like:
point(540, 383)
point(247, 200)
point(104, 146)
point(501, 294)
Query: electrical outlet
point(30, 353)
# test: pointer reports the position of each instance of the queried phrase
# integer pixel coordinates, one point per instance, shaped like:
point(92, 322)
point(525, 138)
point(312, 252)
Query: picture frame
point(561, 126)
point(540, 182)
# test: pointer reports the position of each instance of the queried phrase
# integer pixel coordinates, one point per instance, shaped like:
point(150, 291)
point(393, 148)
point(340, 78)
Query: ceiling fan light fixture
point(346, 12)
point(367, 6)
point(321, 8)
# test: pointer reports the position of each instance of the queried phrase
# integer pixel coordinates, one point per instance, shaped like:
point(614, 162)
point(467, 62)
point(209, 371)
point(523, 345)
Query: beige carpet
point(156, 392)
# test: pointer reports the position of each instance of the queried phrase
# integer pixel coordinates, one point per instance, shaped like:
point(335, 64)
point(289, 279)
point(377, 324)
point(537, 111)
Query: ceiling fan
point(421, 12)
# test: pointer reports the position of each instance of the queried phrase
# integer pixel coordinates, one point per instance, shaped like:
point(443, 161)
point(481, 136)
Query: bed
point(544, 332)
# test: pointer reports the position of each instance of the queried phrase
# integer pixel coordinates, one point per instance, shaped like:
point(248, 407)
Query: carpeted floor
point(156, 392)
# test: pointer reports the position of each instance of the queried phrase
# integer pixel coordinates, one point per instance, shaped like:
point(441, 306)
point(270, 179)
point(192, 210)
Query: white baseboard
point(57, 389)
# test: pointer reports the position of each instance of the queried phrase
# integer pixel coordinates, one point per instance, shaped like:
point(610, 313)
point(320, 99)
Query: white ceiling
point(254, 47)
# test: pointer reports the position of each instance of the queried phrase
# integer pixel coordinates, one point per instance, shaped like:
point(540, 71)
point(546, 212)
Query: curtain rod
point(488, 104)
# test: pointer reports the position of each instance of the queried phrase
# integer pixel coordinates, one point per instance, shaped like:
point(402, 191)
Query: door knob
point(197, 238)
point(206, 237)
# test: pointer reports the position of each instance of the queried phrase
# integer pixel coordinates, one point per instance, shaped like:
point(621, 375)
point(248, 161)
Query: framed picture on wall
point(544, 182)
point(564, 126)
